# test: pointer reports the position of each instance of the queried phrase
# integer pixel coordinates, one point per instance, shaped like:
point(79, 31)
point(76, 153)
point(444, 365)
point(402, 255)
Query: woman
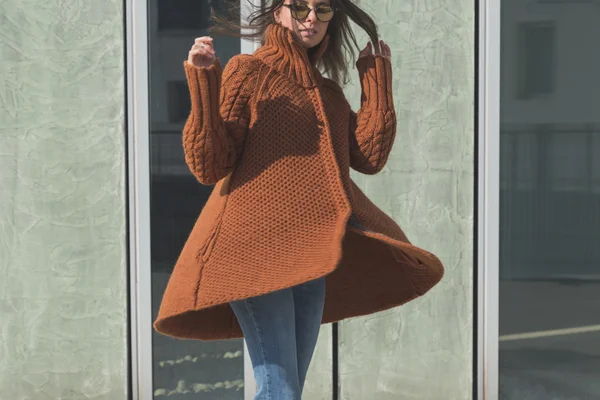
point(287, 241)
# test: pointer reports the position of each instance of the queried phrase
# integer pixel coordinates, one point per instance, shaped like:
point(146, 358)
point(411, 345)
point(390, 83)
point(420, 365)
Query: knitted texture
point(278, 140)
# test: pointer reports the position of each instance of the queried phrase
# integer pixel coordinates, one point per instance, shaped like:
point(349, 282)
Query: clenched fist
point(381, 49)
point(202, 53)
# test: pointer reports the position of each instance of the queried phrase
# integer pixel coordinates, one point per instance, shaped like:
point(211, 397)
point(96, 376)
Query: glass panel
point(183, 369)
point(550, 200)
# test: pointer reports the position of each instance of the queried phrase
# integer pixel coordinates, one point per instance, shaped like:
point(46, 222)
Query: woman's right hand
point(382, 49)
point(202, 53)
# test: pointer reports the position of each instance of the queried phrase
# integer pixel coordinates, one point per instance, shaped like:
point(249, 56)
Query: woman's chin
point(309, 42)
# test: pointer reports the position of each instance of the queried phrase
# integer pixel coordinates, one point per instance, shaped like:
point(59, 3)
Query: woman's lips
point(308, 33)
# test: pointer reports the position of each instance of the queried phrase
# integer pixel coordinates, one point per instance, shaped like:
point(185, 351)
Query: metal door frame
point(488, 199)
point(138, 139)
point(488, 183)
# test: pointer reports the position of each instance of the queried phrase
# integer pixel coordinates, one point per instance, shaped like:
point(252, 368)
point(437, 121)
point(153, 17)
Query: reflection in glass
point(182, 369)
point(550, 201)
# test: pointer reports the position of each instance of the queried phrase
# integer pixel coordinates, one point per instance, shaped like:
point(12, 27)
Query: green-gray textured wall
point(422, 351)
point(63, 297)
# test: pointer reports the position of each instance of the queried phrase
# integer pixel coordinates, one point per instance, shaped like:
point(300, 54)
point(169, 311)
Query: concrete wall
point(63, 291)
point(424, 350)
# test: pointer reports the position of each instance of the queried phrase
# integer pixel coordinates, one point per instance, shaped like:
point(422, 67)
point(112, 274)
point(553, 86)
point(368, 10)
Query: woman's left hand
point(381, 49)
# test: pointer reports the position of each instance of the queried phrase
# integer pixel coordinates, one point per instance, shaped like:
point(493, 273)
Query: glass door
point(182, 369)
point(549, 271)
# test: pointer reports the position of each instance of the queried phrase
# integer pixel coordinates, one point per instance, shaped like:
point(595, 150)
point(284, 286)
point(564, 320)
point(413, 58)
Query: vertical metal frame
point(488, 199)
point(138, 140)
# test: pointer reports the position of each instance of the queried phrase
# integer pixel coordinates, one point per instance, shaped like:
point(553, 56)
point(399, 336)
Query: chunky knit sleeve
point(214, 134)
point(373, 128)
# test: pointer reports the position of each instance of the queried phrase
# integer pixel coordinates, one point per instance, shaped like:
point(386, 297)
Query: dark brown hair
point(342, 42)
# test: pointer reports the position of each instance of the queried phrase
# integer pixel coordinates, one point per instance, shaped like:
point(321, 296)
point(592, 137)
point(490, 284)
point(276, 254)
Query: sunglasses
point(301, 11)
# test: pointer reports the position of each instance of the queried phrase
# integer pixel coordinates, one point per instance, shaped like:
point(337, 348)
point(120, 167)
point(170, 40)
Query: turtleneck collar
point(285, 53)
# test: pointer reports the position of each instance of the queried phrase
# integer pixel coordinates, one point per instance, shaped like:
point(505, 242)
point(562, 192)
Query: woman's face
point(309, 30)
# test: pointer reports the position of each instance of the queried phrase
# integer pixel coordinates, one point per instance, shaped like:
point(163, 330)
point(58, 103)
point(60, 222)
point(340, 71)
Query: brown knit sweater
point(278, 139)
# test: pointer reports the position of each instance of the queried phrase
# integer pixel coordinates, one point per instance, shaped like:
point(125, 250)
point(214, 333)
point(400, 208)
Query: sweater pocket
point(212, 239)
point(208, 226)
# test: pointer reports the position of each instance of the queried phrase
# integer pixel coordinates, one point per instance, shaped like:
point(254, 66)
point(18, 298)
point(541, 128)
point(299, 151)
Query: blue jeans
point(281, 331)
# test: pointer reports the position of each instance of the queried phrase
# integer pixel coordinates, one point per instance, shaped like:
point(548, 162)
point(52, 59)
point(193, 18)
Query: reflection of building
point(550, 199)
point(173, 26)
point(170, 46)
point(550, 127)
point(204, 369)
point(550, 62)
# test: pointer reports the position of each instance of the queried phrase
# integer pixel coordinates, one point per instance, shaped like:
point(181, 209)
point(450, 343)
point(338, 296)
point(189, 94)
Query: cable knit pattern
point(373, 129)
point(279, 139)
point(213, 144)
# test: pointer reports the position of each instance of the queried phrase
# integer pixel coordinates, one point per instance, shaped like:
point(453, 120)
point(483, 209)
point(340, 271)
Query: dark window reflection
point(536, 58)
point(178, 97)
point(196, 14)
point(550, 201)
point(182, 369)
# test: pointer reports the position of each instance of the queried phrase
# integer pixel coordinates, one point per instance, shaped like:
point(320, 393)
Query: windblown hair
point(342, 41)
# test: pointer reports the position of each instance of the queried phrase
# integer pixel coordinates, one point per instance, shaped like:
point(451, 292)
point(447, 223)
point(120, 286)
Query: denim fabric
point(281, 330)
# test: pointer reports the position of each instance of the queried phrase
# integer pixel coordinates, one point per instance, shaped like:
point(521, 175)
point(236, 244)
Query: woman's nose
point(312, 16)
